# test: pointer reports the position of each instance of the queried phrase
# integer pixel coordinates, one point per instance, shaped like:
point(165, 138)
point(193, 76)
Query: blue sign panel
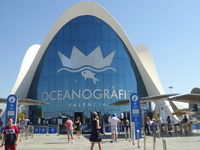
point(43, 130)
point(11, 108)
point(136, 119)
point(196, 126)
point(108, 129)
point(36, 130)
point(52, 130)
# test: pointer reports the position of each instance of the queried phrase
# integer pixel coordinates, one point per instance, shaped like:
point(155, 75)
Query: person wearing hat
point(114, 121)
point(95, 136)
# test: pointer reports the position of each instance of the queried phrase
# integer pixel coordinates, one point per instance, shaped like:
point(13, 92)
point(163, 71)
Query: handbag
point(99, 136)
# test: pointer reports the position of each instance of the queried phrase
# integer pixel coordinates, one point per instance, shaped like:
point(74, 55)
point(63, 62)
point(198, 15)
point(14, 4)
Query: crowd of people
point(96, 128)
point(152, 125)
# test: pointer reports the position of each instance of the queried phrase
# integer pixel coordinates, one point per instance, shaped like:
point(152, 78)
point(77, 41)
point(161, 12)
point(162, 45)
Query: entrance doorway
point(78, 114)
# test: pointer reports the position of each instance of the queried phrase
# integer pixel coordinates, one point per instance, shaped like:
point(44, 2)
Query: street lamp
point(171, 87)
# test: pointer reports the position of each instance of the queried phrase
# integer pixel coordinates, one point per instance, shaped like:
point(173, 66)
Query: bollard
point(129, 134)
point(47, 131)
point(58, 130)
point(40, 130)
point(154, 142)
point(132, 136)
point(164, 144)
point(125, 133)
point(21, 135)
point(159, 131)
point(138, 139)
point(144, 141)
point(29, 130)
point(32, 131)
point(26, 133)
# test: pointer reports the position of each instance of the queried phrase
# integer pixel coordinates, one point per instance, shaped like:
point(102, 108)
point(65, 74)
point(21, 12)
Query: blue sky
point(169, 28)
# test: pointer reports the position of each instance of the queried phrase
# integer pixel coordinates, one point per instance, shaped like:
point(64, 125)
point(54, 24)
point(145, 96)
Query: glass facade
point(85, 68)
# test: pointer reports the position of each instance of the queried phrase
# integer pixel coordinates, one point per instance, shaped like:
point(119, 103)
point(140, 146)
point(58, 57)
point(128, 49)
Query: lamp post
point(171, 87)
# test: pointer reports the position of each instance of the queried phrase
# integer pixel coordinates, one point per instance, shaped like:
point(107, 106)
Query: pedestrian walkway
point(54, 142)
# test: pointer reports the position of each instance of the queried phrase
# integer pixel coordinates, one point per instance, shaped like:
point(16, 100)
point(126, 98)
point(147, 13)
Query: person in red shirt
point(69, 128)
point(11, 136)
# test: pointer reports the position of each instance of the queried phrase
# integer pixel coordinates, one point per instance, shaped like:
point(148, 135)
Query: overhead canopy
point(143, 99)
point(120, 103)
point(155, 98)
point(184, 112)
point(188, 98)
point(27, 102)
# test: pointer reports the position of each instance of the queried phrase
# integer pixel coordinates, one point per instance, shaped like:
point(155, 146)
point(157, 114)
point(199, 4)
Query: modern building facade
point(86, 63)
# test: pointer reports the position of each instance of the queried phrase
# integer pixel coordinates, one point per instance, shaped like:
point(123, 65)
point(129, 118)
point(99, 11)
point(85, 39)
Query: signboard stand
point(135, 117)
point(11, 108)
point(138, 140)
point(133, 132)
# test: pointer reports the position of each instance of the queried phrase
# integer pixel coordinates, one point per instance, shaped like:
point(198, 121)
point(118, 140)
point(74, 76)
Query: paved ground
point(53, 142)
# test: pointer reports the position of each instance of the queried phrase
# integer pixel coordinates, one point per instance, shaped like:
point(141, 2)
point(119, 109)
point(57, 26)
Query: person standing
point(114, 121)
point(185, 124)
point(69, 128)
point(78, 126)
point(95, 136)
point(176, 124)
point(169, 124)
point(146, 124)
point(126, 125)
point(11, 136)
point(121, 116)
point(39, 121)
point(185, 119)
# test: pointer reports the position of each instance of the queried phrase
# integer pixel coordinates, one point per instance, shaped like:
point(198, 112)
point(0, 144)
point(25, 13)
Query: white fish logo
point(87, 74)
point(87, 65)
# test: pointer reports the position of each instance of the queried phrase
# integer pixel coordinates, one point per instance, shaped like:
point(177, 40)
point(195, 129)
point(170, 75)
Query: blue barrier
point(196, 126)
point(120, 128)
point(43, 130)
point(36, 130)
point(52, 130)
point(107, 129)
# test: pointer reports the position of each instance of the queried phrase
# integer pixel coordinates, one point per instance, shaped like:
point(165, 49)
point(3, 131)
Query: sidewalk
point(53, 142)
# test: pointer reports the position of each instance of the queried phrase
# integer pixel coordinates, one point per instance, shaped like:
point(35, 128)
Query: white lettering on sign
point(88, 104)
point(85, 94)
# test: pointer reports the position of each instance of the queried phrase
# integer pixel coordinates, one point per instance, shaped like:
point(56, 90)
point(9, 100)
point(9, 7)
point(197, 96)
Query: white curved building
point(85, 63)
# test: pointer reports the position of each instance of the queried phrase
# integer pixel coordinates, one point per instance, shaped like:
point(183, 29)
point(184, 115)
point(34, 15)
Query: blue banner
point(43, 130)
point(108, 128)
point(136, 118)
point(52, 129)
point(36, 130)
point(11, 108)
point(196, 126)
